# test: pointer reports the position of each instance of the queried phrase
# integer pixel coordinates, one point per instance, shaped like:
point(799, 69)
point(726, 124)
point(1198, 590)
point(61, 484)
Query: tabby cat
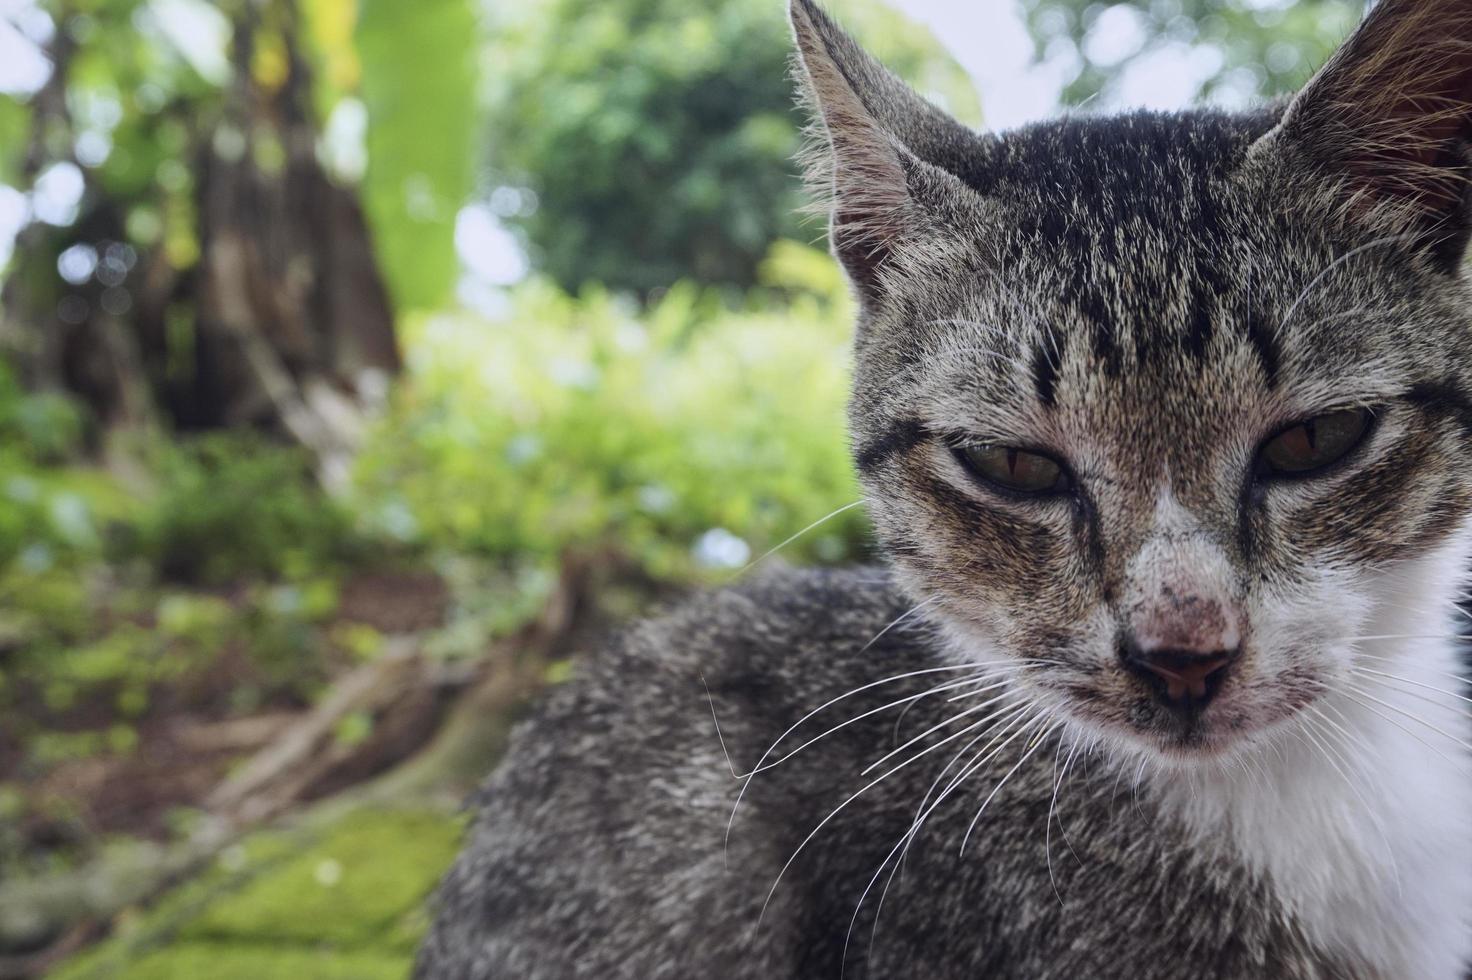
point(1164, 421)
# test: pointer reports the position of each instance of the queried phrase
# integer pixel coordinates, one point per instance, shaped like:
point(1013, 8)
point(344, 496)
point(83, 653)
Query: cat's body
point(601, 852)
point(1165, 424)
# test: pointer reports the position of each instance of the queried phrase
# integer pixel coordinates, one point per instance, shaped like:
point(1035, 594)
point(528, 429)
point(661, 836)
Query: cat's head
point(1172, 410)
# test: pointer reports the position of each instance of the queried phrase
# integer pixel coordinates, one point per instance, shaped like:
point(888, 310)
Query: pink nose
point(1187, 621)
point(1182, 679)
point(1181, 645)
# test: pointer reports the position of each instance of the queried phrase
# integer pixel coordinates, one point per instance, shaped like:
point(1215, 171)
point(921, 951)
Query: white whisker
point(1293, 307)
point(900, 619)
point(819, 709)
point(818, 523)
point(937, 727)
point(1406, 730)
point(839, 809)
point(1041, 738)
point(1414, 683)
point(902, 846)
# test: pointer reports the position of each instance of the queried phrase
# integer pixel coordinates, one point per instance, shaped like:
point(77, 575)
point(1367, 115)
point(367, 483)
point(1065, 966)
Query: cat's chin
point(1196, 746)
point(1193, 743)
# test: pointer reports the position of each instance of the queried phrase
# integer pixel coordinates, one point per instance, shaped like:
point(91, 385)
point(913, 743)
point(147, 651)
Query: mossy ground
point(342, 901)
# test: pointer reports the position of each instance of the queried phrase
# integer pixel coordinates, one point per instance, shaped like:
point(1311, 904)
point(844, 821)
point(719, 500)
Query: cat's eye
point(1314, 443)
point(1014, 469)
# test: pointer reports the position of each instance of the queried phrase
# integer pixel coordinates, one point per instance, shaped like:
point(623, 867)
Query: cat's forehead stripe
point(1264, 341)
point(1045, 368)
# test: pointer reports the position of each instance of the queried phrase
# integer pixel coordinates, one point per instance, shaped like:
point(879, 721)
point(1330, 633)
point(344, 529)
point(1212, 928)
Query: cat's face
point(1166, 411)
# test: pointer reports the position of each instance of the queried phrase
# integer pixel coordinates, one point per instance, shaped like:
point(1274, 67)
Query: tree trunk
point(284, 324)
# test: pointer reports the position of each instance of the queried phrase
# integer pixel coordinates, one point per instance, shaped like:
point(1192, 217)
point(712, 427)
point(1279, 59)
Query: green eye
point(1315, 443)
point(1014, 469)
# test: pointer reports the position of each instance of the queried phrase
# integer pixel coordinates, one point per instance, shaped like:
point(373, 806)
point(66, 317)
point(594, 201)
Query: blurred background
point(362, 360)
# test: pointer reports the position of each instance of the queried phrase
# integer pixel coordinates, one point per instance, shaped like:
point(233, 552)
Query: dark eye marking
point(1014, 470)
point(1311, 447)
point(1444, 398)
point(899, 438)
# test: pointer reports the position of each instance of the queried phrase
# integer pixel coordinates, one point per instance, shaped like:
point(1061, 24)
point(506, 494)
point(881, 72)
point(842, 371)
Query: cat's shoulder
point(779, 627)
point(775, 642)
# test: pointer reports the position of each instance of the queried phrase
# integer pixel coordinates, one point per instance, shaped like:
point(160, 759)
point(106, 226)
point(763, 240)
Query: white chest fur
point(1361, 822)
point(1372, 853)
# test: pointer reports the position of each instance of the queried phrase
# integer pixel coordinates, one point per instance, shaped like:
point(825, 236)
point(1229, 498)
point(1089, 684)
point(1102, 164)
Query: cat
point(1164, 421)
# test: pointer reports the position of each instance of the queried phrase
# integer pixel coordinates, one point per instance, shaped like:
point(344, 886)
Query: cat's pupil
point(1298, 442)
point(1013, 468)
point(1315, 443)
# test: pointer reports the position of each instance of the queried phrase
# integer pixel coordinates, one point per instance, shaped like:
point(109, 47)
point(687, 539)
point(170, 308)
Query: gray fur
point(1149, 298)
point(599, 853)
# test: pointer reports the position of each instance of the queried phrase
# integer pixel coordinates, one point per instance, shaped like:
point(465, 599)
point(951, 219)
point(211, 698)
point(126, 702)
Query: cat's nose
point(1182, 679)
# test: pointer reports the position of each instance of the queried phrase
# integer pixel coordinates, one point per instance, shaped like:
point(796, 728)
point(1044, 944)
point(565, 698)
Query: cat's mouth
point(1181, 730)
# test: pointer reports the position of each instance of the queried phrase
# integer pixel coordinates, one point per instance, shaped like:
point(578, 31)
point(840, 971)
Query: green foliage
point(420, 90)
point(98, 576)
point(48, 514)
point(577, 425)
point(656, 137)
point(230, 506)
point(43, 427)
point(1265, 48)
point(85, 664)
point(135, 96)
point(147, 98)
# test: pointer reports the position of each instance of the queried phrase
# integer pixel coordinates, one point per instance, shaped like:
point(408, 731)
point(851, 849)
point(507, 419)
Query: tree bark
point(285, 323)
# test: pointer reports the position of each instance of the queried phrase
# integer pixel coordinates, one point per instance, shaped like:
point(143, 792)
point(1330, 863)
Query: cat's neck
point(1359, 819)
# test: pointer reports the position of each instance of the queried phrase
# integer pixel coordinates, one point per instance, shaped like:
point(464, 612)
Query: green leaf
point(419, 86)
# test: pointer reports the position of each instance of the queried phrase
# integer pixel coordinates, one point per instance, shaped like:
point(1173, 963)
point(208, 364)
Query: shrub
point(231, 506)
point(690, 436)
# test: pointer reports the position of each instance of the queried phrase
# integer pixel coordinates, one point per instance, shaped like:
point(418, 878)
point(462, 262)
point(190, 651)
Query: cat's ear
point(1390, 117)
point(880, 153)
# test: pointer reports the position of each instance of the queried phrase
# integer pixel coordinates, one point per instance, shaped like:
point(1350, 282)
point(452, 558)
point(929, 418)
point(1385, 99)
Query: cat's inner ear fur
point(878, 149)
point(1390, 117)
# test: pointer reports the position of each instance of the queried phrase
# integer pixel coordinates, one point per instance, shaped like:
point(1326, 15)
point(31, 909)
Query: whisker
point(1411, 715)
point(990, 671)
point(818, 523)
point(1324, 749)
point(839, 809)
point(1118, 775)
point(1402, 636)
point(935, 728)
point(1068, 768)
point(1407, 680)
point(721, 738)
point(900, 619)
point(1029, 663)
point(1041, 738)
point(1048, 820)
point(1293, 307)
point(1397, 660)
point(895, 733)
point(906, 700)
point(922, 814)
point(819, 709)
point(1406, 730)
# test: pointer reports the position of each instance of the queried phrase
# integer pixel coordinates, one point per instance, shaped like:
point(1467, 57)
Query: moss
point(347, 901)
point(354, 887)
point(238, 961)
